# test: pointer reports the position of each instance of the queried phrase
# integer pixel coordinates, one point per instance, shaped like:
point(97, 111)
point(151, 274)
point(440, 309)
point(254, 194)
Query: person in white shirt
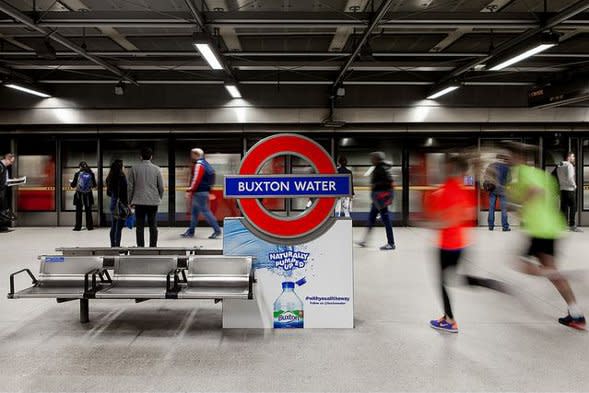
point(568, 188)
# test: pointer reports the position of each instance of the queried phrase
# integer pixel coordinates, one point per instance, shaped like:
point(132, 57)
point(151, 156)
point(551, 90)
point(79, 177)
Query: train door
point(36, 200)
point(357, 151)
point(225, 156)
point(427, 169)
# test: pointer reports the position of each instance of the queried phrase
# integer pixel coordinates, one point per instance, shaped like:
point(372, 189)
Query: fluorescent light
point(206, 52)
point(442, 92)
point(522, 56)
point(233, 90)
point(27, 90)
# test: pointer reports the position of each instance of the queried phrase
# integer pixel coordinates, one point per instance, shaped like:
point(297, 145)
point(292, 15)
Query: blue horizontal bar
point(287, 186)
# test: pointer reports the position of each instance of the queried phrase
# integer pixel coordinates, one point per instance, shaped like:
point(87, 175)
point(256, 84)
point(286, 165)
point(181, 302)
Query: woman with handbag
point(116, 189)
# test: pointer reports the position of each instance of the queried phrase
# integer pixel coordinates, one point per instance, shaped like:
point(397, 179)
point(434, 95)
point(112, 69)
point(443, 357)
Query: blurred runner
point(382, 196)
point(452, 208)
point(537, 193)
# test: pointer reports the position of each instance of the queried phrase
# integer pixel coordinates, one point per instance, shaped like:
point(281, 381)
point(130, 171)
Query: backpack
point(210, 173)
point(555, 174)
point(84, 182)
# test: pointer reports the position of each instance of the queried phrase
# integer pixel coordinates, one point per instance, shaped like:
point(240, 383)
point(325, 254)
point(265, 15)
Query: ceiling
point(314, 42)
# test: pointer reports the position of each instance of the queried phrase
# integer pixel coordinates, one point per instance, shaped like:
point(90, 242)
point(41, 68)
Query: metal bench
point(218, 277)
point(115, 251)
point(64, 279)
point(139, 278)
point(142, 277)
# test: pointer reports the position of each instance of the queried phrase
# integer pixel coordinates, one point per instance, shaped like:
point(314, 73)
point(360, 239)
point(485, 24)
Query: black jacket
point(381, 178)
point(3, 172)
point(83, 198)
point(342, 170)
point(117, 189)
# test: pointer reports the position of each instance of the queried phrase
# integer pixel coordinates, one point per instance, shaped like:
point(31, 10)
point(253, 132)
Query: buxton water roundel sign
point(325, 185)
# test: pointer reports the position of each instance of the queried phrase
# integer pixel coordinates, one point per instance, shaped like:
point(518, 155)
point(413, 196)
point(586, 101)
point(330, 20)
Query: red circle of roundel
point(279, 145)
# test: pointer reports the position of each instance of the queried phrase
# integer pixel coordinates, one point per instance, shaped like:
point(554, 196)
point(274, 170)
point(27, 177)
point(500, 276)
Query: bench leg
point(84, 312)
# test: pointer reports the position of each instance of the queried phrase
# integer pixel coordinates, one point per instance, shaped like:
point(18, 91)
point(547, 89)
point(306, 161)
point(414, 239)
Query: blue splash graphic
point(282, 260)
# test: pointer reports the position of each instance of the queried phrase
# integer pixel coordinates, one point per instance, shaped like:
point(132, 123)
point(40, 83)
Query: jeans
point(568, 206)
point(116, 227)
point(200, 204)
point(343, 204)
point(384, 214)
point(142, 211)
point(502, 205)
point(89, 222)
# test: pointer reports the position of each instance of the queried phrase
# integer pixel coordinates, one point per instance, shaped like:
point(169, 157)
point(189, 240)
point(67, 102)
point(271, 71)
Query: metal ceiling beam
point(454, 36)
point(380, 13)
point(264, 19)
point(342, 34)
point(28, 22)
point(561, 17)
point(147, 54)
point(274, 82)
point(11, 73)
point(110, 32)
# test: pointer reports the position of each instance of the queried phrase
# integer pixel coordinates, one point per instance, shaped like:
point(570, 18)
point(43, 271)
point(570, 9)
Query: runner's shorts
point(541, 246)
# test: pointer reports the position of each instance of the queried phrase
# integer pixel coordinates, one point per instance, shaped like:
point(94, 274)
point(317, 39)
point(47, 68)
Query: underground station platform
point(294, 196)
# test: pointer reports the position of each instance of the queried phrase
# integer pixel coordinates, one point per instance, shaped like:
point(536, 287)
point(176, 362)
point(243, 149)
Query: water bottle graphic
point(288, 308)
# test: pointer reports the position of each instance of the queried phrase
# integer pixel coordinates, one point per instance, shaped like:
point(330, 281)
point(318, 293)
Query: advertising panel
point(307, 285)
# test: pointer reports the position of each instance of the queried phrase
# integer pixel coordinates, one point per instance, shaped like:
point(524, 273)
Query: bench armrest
point(31, 275)
point(251, 283)
point(100, 273)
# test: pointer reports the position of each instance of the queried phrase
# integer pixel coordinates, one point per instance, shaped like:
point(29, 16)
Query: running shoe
point(444, 325)
point(361, 244)
point(388, 247)
point(187, 235)
point(575, 229)
point(575, 323)
point(215, 235)
point(506, 229)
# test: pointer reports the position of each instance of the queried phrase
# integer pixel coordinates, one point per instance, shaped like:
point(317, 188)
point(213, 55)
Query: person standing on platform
point(116, 189)
point(495, 179)
point(5, 163)
point(199, 192)
point(565, 172)
point(382, 196)
point(84, 182)
point(452, 209)
point(344, 203)
point(145, 193)
point(537, 193)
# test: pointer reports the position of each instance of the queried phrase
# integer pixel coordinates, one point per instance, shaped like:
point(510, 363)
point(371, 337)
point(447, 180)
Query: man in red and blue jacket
point(203, 178)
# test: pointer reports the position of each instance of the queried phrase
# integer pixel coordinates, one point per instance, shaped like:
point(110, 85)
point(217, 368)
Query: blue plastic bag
point(130, 221)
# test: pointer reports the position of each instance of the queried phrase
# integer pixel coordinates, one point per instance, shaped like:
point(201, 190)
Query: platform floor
point(506, 343)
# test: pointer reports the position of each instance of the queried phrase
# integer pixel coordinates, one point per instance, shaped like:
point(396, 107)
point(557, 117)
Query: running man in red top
point(452, 208)
point(203, 178)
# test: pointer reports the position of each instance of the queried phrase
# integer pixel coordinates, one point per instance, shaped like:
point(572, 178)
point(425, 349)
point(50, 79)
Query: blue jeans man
point(200, 204)
point(503, 206)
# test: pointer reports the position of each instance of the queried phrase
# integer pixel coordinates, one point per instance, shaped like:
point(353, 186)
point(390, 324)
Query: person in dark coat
point(116, 189)
point(382, 196)
point(84, 182)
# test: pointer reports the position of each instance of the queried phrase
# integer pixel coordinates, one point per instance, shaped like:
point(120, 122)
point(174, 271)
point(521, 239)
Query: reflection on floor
point(506, 343)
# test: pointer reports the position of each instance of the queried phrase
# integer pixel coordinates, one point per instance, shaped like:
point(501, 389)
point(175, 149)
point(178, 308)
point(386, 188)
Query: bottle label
point(292, 319)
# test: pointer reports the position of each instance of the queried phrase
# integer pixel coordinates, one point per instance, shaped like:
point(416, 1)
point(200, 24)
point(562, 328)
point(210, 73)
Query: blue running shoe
point(443, 324)
point(187, 235)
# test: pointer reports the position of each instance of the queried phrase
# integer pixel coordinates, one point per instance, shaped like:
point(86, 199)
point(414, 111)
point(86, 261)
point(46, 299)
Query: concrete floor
point(506, 343)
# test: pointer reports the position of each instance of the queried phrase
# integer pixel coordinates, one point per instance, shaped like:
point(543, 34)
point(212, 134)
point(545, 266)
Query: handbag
point(130, 221)
point(6, 217)
point(121, 211)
